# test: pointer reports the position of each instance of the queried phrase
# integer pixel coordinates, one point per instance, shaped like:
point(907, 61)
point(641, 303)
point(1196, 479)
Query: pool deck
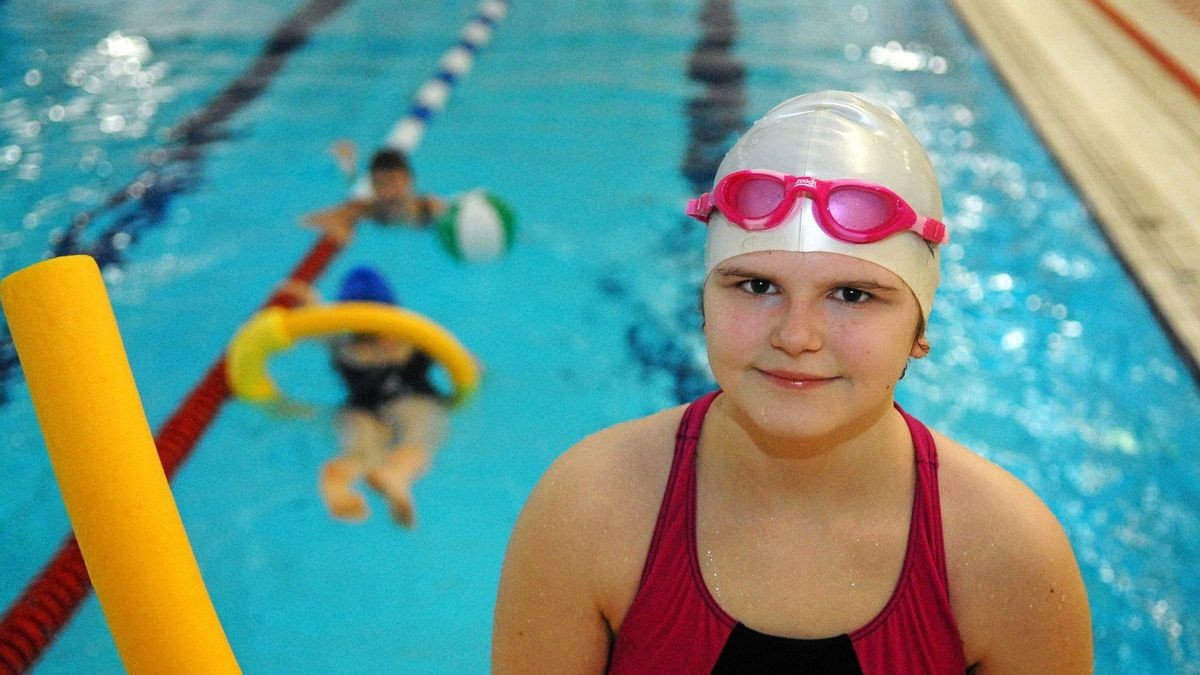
point(1113, 87)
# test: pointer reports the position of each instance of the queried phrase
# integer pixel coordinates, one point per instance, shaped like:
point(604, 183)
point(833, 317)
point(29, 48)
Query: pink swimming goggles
point(849, 210)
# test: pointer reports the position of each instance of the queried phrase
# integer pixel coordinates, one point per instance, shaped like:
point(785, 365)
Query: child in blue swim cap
point(365, 284)
point(393, 419)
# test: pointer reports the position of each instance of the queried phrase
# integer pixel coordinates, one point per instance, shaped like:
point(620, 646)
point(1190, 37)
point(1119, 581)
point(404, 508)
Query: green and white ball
point(477, 226)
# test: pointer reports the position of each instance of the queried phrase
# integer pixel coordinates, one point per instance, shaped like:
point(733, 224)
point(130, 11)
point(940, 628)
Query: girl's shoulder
point(593, 511)
point(1009, 563)
point(980, 498)
point(621, 463)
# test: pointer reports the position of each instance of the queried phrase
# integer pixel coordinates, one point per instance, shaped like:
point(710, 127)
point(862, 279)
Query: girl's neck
point(820, 472)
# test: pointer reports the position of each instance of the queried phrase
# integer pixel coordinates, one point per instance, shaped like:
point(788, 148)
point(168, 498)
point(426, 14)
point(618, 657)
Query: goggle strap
point(701, 207)
point(934, 231)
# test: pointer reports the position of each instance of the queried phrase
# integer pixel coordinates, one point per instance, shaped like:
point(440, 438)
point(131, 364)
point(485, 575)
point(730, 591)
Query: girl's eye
point(757, 286)
point(851, 295)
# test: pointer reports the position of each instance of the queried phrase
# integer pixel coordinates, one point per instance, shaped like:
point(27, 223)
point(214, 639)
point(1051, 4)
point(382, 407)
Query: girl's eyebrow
point(872, 285)
point(734, 271)
point(866, 285)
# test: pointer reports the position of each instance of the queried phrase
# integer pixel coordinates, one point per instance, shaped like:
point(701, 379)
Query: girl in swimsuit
point(797, 520)
point(392, 421)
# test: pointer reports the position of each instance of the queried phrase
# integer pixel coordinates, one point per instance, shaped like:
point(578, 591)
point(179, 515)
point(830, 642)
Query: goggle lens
point(859, 209)
point(758, 196)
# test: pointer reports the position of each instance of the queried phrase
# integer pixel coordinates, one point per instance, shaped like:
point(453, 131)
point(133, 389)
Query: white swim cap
point(833, 135)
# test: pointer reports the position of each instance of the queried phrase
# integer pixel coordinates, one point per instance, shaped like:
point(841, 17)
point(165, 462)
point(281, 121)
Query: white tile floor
point(1114, 88)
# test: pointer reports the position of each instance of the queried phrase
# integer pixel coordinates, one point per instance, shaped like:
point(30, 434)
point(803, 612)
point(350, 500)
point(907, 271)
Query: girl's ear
point(920, 348)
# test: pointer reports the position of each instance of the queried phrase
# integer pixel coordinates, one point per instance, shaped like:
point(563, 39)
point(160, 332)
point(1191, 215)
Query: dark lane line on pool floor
point(715, 116)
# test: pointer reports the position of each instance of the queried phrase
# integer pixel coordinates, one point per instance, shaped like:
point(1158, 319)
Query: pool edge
point(1125, 129)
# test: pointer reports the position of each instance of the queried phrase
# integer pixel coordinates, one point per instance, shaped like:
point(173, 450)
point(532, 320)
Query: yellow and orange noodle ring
point(275, 329)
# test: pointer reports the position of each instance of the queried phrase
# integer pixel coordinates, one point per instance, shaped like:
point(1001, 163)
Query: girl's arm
point(548, 617)
point(1016, 588)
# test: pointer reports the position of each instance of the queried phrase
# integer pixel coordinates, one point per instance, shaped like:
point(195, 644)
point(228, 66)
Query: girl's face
point(808, 345)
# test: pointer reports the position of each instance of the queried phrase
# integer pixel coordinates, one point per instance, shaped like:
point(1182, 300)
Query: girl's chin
point(800, 410)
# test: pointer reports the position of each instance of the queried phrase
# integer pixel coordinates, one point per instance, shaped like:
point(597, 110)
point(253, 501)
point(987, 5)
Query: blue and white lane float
point(456, 62)
point(477, 225)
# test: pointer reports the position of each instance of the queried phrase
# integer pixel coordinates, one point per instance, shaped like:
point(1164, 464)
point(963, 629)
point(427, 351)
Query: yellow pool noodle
point(111, 479)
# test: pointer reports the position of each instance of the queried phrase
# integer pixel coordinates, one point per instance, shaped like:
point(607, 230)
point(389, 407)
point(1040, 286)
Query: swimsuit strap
point(680, 478)
point(927, 512)
point(693, 419)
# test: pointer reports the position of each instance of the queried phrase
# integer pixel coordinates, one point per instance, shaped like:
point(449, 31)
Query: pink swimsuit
point(675, 626)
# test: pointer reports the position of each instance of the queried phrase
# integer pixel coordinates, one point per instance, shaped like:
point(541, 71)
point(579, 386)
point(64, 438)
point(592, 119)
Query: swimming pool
point(595, 121)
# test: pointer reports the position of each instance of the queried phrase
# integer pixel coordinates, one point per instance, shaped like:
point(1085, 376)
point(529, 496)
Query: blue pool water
point(595, 121)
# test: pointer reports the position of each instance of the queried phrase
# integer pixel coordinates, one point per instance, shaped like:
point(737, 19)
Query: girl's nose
point(800, 328)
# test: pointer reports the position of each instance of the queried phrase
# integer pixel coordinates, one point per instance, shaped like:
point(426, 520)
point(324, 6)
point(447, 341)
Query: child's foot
point(394, 486)
point(402, 509)
point(337, 490)
point(394, 477)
